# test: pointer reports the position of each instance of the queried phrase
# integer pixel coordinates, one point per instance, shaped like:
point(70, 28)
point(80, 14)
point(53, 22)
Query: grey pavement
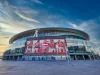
point(79, 67)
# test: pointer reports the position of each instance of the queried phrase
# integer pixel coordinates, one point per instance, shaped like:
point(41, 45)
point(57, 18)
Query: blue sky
point(20, 15)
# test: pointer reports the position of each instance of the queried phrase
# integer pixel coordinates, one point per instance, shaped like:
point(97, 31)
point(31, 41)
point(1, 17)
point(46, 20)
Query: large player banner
point(46, 46)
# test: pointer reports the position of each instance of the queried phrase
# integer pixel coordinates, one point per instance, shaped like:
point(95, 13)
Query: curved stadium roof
point(45, 30)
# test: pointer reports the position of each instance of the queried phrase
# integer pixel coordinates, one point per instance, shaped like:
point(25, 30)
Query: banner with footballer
point(46, 47)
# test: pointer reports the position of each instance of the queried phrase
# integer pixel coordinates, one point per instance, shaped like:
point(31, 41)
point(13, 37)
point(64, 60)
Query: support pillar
point(94, 57)
point(97, 57)
point(9, 57)
point(18, 58)
point(13, 58)
point(75, 57)
point(4, 57)
point(83, 57)
point(89, 57)
point(69, 57)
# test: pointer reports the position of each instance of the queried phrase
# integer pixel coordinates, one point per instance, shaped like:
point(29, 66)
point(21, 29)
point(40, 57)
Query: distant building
point(50, 44)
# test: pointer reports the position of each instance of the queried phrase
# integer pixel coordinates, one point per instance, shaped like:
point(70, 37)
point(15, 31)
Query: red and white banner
point(48, 46)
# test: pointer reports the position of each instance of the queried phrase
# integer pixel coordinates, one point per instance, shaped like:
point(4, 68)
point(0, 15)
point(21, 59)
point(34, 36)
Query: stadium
point(52, 43)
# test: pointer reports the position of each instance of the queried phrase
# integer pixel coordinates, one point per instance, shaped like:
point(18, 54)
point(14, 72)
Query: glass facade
point(76, 44)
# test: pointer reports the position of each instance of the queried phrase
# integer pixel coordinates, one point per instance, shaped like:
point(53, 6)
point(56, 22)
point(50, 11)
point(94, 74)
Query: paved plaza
point(79, 67)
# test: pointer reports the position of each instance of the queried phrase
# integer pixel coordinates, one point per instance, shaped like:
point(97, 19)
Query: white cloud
point(63, 11)
point(90, 27)
point(37, 1)
point(29, 11)
point(73, 25)
point(16, 27)
point(10, 22)
point(26, 17)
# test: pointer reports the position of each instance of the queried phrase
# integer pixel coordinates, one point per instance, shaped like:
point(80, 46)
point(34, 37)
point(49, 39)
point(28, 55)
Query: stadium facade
point(52, 43)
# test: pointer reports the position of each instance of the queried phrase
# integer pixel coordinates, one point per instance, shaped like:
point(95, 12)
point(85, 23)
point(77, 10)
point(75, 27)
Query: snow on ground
point(80, 67)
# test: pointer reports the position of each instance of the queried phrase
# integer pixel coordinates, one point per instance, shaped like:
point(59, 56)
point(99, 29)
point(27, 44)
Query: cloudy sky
point(20, 15)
